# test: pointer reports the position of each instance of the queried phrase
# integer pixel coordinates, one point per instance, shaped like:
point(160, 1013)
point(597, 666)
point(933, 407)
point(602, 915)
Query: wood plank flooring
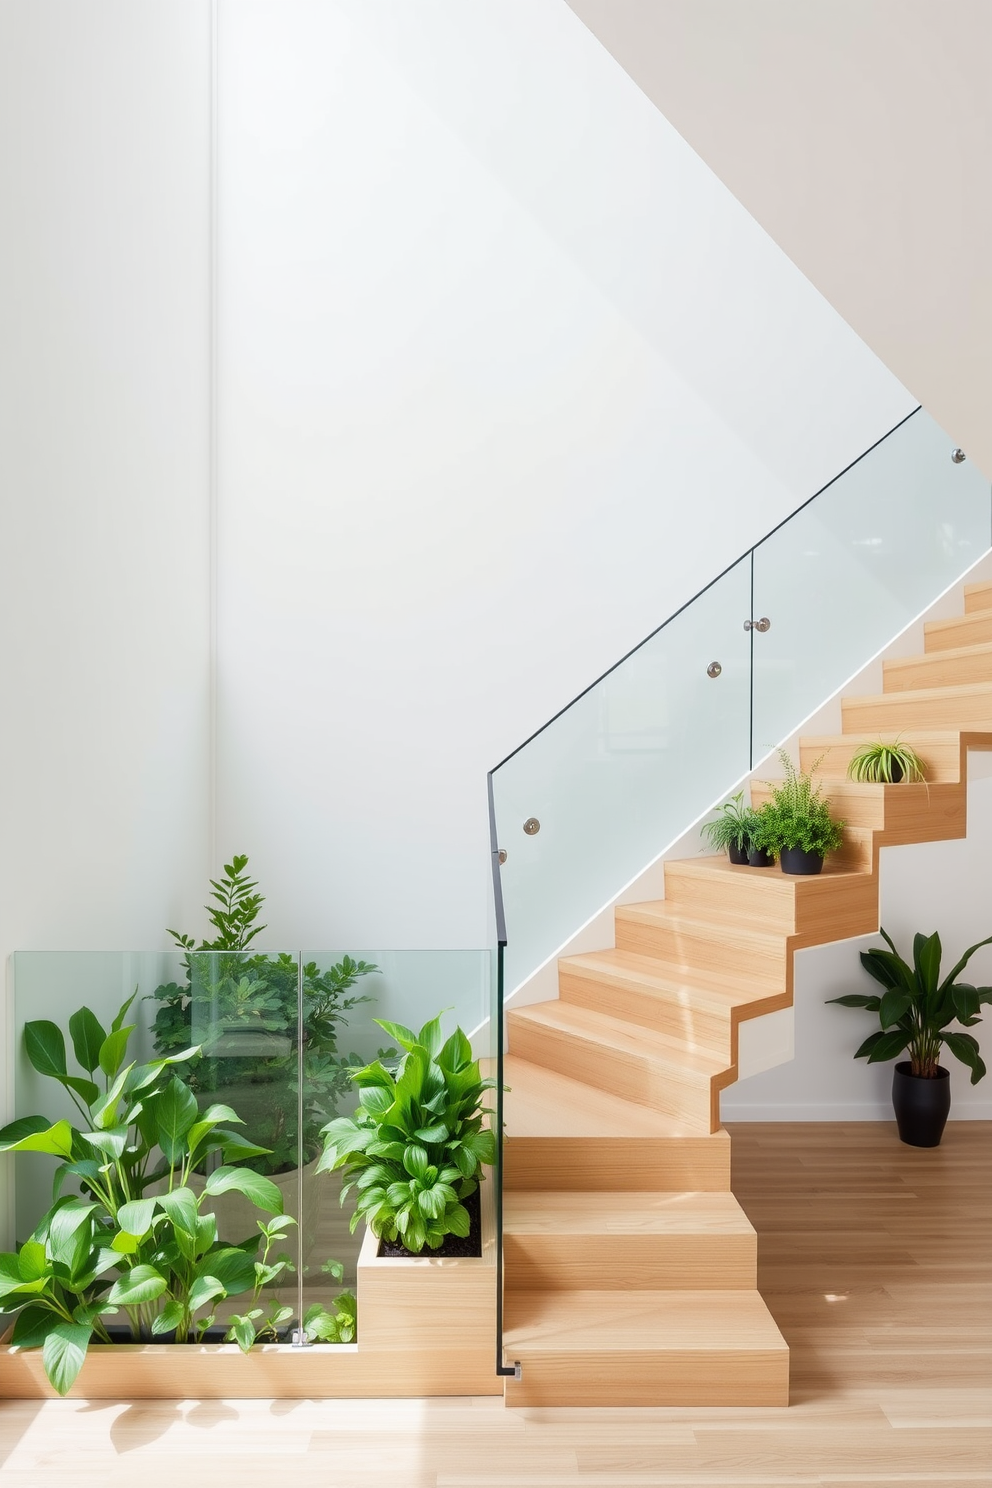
point(874, 1258)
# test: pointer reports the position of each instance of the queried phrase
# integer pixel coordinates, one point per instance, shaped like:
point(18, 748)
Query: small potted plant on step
point(737, 830)
point(914, 1010)
point(886, 764)
point(795, 826)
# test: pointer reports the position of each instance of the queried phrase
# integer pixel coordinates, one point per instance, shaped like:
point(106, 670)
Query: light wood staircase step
point(563, 1133)
point(806, 909)
point(646, 1066)
point(951, 668)
point(977, 597)
point(940, 749)
point(962, 630)
point(638, 990)
point(604, 1347)
point(932, 707)
point(715, 946)
point(627, 1241)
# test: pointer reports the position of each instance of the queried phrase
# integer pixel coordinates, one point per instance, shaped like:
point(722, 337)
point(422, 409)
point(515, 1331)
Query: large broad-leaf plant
point(135, 1243)
point(916, 1007)
point(415, 1148)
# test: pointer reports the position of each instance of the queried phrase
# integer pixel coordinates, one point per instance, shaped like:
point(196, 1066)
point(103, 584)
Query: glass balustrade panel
point(844, 575)
point(589, 802)
point(344, 994)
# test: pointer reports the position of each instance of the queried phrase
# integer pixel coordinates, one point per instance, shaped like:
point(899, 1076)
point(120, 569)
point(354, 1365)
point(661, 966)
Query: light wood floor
point(875, 1259)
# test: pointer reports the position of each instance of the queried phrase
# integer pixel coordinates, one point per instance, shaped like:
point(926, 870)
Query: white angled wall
point(506, 376)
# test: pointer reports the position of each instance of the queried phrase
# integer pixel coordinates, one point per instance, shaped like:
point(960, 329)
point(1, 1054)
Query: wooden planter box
point(426, 1326)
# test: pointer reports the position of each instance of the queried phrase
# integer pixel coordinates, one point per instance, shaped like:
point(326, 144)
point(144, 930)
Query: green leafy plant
point(797, 816)
point(735, 825)
point(122, 1245)
point(881, 763)
point(251, 993)
point(416, 1146)
point(916, 1007)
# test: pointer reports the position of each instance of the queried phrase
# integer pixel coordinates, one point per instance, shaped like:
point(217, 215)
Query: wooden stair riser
point(940, 750)
point(664, 1087)
point(963, 630)
point(977, 597)
point(676, 1377)
point(618, 1164)
point(702, 1027)
point(714, 949)
point(959, 668)
point(937, 708)
point(807, 910)
point(630, 1262)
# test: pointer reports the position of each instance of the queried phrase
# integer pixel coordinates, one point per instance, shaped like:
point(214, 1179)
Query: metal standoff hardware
point(762, 625)
point(532, 826)
point(501, 856)
point(714, 669)
point(958, 456)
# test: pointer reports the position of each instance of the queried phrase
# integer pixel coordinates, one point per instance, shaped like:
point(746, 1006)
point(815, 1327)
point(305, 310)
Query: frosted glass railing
point(276, 1036)
point(584, 805)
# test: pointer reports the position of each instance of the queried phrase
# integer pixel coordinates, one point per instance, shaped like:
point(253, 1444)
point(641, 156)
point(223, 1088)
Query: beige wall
point(857, 132)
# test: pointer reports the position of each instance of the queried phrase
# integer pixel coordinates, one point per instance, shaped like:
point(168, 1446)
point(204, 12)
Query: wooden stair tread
point(952, 653)
point(922, 694)
point(616, 1214)
point(598, 1322)
point(977, 597)
point(542, 1103)
point(614, 1033)
point(665, 912)
point(630, 967)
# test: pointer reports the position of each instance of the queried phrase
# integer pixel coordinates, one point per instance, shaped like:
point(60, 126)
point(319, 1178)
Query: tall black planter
point(737, 854)
point(921, 1105)
point(794, 860)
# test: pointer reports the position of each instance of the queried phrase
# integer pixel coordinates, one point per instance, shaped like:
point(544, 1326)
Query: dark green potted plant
point(416, 1146)
point(136, 1242)
point(736, 830)
point(914, 1011)
point(795, 825)
point(879, 763)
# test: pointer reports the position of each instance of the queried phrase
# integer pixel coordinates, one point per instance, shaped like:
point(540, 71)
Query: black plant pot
point(794, 860)
point(758, 858)
point(921, 1104)
point(895, 772)
point(737, 854)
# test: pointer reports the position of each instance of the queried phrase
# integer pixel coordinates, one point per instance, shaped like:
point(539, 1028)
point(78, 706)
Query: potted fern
point(795, 824)
point(879, 763)
point(737, 830)
point(914, 1011)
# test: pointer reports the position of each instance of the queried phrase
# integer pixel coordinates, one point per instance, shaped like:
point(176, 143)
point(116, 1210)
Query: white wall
point(858, 132)
point(506, 375)
point(104, 172)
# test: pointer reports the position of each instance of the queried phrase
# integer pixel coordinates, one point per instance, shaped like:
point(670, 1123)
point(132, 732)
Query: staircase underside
point(629, 1266)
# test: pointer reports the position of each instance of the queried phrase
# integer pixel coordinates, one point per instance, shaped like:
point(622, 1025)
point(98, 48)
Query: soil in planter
point(212, 1335)
point(452, 1245)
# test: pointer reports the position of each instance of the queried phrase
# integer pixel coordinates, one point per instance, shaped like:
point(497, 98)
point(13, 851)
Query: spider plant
point(886, 764)
point(734, 826)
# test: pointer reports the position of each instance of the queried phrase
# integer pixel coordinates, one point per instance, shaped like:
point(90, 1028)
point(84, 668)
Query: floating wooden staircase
point(630, 1267)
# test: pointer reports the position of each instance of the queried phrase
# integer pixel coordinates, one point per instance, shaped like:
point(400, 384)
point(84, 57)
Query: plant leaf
point(33, 1325)
point(64, 1354)
point(175, 1111)
point(122, 1013)
point(181, 1207)
point(889, 1045)
point(136, 1217)
point(262, 1192)
point(965, 1047)
point(113, 1049)
point(141, 1284)
point(87, 1036)
point(169, 1318)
